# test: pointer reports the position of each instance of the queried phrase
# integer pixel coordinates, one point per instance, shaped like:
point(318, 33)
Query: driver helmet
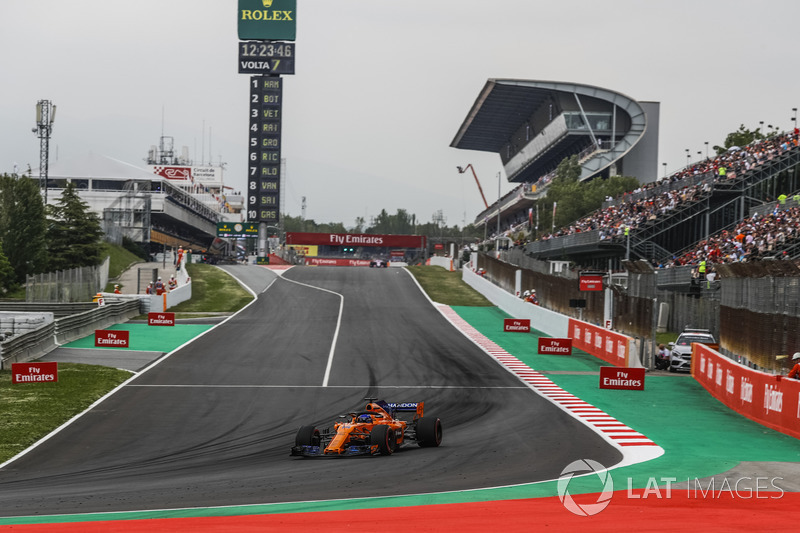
point(364, 419)
point(526, 293)
point(796, 356)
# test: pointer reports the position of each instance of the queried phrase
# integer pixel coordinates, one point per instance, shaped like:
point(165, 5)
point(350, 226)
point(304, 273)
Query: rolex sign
point(271, 20)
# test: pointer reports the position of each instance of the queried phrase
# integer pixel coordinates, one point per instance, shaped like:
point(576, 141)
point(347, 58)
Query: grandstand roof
point(498, 111)
point(533, 125)
point(96, 166)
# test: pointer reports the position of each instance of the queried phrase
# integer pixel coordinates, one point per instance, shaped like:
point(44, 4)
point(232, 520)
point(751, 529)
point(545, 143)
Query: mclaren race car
point(381, 428)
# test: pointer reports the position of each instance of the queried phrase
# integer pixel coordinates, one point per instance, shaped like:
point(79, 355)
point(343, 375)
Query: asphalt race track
point(212, 424)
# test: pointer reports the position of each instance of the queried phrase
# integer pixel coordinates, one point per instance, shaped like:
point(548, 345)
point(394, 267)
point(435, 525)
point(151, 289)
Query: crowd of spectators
point(760, 236)
point(628, 213)
point(615, 220)
point(753, 238)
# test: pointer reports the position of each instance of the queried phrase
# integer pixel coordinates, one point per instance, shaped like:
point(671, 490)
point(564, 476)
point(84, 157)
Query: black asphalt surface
point(213, 423)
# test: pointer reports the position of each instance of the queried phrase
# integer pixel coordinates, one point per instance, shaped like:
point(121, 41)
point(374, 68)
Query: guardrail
point(58, 309)
point(40, 341)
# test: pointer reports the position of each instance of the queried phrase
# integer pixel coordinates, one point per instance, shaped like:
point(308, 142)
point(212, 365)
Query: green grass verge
point(120, 260)
point(28, 411)
point(447, 287)
point(213, 291)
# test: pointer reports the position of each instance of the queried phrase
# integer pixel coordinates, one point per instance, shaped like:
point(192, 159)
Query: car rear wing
point(406, 407)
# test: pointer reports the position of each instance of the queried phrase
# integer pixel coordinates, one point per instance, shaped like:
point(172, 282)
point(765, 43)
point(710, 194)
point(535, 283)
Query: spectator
point(794, 373)
point(662, 357)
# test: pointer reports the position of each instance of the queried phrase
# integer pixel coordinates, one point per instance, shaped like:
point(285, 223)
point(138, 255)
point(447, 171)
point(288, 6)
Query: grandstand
point(534, 125)
point(136, 203)
point(666, 220)
point(673, 221)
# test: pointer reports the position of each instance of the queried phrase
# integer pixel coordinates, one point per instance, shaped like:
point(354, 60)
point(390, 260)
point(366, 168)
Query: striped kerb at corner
point(590, 415)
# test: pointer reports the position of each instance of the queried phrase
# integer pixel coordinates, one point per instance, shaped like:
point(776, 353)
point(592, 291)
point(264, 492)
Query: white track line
point(328, 367)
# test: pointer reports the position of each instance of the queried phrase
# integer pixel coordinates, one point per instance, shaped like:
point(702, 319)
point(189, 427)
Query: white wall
point(549, 322)
point(445, 262)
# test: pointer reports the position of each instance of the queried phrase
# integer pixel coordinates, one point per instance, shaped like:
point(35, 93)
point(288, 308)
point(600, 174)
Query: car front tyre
point(384, 437)
point(307, 436)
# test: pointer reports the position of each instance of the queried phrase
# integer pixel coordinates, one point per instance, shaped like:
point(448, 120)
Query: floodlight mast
point(469, 166)
point(45, 116)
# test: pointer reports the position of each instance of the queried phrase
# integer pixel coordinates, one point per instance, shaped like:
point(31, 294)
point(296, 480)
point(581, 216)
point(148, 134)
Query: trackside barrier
point(157, 303)
point(610, 346)
point(772, 401)
point(36, 343)
point(550, 322)
point(605, 344)
point(445, 262)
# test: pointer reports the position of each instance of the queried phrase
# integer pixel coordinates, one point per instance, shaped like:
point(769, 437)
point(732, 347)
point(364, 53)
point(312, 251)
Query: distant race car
point(379, 263)
point(378, 429)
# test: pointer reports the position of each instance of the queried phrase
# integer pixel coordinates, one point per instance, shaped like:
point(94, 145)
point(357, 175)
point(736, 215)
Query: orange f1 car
point(378, 429)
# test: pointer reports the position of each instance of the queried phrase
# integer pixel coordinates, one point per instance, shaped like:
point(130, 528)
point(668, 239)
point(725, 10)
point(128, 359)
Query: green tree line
point(400, 223)
point(36, 238)
point(575, 199)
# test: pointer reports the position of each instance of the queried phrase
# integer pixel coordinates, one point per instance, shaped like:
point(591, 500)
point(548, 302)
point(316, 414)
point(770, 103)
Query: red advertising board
point(549, 345)
point(591, 283)
point(522, 325)
point(324, 261)
point(612, 377)
point(160, 319)
point(111, 338)
point(355, 239)
point(34, 372)
point(773, 401)
point(609, 346)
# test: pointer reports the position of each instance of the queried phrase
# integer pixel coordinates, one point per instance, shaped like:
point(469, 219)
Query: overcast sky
point(381, 87)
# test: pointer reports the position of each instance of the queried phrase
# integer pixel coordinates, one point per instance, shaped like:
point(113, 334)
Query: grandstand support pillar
point(608, 302)
point(627, 244)
point(585, 119)
point(614, 126)
point(651, 361)
point(499, 196)
point(262, 239)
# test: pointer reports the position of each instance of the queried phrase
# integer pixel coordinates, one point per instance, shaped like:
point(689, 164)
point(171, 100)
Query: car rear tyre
point(307, 436)
point(384, 437)
point(429, 432)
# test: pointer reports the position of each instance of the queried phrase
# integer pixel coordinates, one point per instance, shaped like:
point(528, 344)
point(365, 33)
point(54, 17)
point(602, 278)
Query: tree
point(74, 233)
point(22, 225)
point(740, 137)
point(567, 192)
point(8, 278)
point(577, 199)
point(397, 224)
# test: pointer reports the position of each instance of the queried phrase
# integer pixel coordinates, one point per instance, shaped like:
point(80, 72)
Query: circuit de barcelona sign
point(267, 19)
